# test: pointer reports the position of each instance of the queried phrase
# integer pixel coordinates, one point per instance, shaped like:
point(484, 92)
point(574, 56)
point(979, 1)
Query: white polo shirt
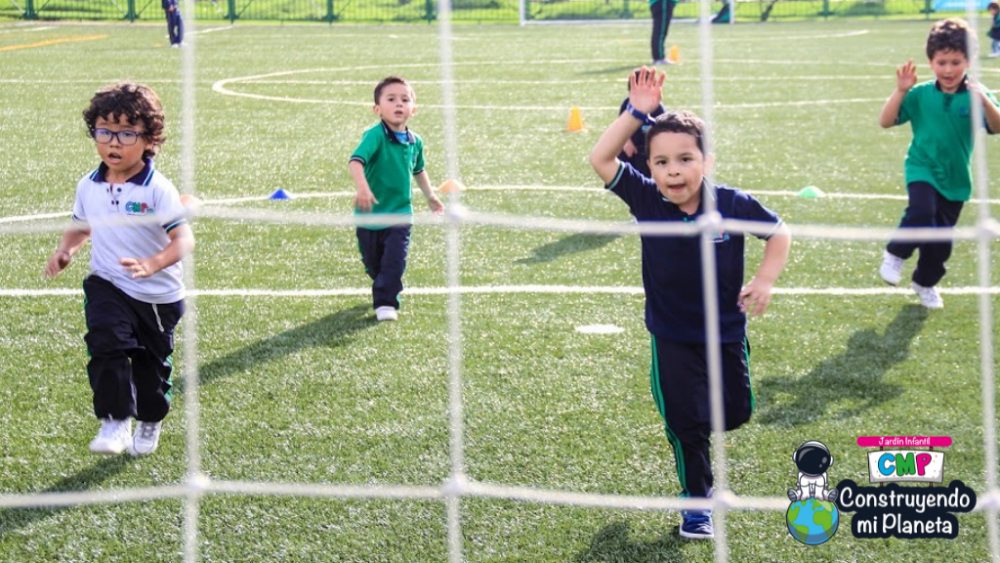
point(131, 220)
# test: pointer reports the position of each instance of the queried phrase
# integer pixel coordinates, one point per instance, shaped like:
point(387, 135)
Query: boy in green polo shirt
point(383, 164)
point(938, 176)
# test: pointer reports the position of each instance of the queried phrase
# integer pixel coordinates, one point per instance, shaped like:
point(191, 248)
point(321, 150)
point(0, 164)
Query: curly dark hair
point(392, 80)
point(679, 121)
point(951, 34)
point(136, 104)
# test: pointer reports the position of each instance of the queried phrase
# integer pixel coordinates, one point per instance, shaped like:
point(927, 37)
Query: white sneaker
point(146, 438)
point(386, 313)
point(662, 62)
point(892, 268)
point(929, 296)
point(114, 437)
point(994, 55)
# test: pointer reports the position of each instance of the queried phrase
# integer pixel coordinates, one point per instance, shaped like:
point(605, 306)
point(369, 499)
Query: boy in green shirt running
point(938, 176)
point(388, 156)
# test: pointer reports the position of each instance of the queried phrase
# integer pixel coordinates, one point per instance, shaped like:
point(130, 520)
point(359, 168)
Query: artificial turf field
point(299, 385)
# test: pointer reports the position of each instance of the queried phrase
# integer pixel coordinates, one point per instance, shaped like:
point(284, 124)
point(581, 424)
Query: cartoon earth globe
point(812, 521)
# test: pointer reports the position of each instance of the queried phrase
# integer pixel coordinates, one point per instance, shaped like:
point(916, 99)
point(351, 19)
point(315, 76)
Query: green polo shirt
point(390, 165)
point(941, 148)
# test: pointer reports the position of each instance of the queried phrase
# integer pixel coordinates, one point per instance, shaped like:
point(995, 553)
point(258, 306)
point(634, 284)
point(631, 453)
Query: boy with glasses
point(134, 292)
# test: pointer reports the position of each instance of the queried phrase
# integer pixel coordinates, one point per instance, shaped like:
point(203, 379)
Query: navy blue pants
point(175, 26)
point(383, 252)
point(130, 344)
point(662, 12)
point(679, 382)
point(927, 208)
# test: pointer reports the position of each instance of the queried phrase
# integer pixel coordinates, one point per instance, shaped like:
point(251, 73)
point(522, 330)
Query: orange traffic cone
point(575, 120)
point(674, 55)
point(451, 185)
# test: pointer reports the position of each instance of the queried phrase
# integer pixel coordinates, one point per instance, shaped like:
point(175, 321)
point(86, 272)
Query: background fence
point(465, 11)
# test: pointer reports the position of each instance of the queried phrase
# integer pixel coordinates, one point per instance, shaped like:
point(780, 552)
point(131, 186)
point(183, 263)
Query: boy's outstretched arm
point(181, 244)
point(906, 78)
point(757, 293)
point(424, 183)
point(644, 96)
point(991, 113)
point(72, 241)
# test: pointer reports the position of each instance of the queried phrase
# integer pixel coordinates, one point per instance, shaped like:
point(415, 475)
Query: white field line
point(27, 29)
point(223, 87)
point(502, 289)
point(499, 188)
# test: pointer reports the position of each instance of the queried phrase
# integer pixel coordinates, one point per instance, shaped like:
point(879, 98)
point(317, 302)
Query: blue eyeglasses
point(104, 136)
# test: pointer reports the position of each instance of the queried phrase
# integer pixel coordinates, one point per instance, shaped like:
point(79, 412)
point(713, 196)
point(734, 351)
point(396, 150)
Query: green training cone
point(811, 192)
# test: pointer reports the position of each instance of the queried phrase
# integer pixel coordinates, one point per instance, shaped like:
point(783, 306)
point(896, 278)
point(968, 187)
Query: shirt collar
point(392, 134)
point(962, 86)
point(141, 178)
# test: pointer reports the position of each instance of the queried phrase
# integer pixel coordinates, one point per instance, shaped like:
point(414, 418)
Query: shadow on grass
point(12, 519)
point(613, 545)
point(330, 331)
point(855, 375)
point(574, 243)
point(621, 69)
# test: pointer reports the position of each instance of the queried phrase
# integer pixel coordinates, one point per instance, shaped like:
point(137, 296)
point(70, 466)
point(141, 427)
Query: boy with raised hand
point(938, 175)
point(634, 152)
point(672, 278)
point(134, 292)
point(382, 167)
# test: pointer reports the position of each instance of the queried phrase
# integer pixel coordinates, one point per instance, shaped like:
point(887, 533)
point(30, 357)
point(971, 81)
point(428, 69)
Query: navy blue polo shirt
point(671, 265)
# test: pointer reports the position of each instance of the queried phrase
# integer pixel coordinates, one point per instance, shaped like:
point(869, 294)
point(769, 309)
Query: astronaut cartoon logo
point(812, 517)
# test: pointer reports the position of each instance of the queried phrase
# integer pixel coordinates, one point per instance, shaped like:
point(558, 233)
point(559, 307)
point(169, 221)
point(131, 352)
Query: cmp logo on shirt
point(138, 208)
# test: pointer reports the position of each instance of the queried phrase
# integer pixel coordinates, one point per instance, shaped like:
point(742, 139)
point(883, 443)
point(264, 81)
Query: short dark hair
point(679, 121)
point(136, 104)
point(951, 34)
point(389, 80)
point(994, 6)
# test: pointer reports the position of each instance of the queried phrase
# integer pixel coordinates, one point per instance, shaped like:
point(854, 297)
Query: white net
point(459, 486)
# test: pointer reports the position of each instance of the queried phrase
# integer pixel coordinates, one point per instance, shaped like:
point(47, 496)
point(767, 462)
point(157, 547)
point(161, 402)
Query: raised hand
point(906, 76)
point(645, 89)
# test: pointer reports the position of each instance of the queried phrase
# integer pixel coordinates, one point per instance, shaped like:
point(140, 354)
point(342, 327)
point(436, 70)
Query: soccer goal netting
point(458, 223)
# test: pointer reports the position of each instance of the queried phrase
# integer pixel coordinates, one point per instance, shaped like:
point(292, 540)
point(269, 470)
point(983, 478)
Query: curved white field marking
point(221, 87)
point(553, 82)
point(718, 39)
point(505, 289)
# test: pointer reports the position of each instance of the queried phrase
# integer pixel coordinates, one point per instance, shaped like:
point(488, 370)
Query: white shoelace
point(147, 430)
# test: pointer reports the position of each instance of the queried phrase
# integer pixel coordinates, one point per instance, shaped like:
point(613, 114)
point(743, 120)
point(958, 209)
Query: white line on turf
point(501, 188)
point(506, 289)
point(26, 29)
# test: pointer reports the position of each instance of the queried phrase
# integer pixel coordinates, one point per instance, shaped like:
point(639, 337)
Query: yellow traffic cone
point(674, 55)
point(451, 185)
point(575, 120)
